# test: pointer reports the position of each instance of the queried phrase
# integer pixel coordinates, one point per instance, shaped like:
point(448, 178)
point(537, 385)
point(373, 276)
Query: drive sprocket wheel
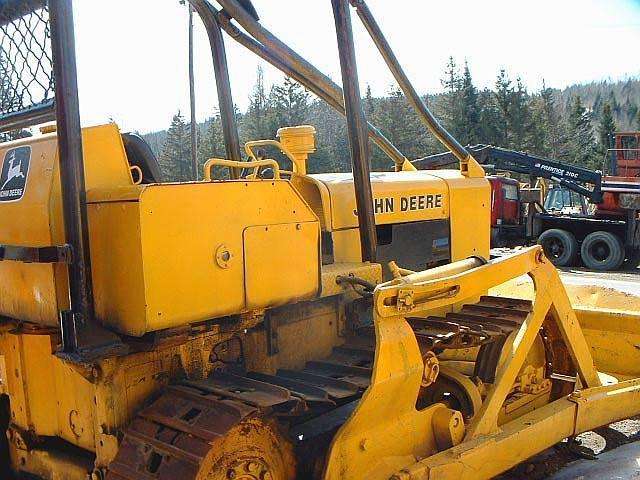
point(185, 435)
point(252, 450)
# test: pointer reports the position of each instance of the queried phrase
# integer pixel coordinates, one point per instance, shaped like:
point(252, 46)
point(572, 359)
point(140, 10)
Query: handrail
point(231, 164)
point(249, 146)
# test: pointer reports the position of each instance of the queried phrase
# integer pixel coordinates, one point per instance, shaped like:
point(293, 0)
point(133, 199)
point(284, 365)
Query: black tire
point(602, 251)
point(559, 246)
point(496, 241)
point(633, 262)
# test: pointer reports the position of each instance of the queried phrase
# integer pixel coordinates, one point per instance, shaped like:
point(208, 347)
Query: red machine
point(625, 160)
point(506, 213)
point(624, 176)
point(601, 239)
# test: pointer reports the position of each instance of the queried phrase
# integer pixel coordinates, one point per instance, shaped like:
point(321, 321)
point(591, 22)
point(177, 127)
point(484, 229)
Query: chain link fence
point(26, 66)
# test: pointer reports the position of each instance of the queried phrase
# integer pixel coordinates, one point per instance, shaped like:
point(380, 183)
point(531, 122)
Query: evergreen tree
point(489, 118)
point(469, 109)
point(371, 110)
point(598, 104)
point(369, 107)
point(613, 102)
point(551, 131)
point(258, 121)
point(290, 103)
point(451, 81)
point(175, 157)
point(452, 84)
point(401, 125)
point(503, 96)
point(631, 110)
point(606, 128)
point(519, 119)
point(582, 145)
point(211, 145)
point(332, 153)
point(9, 101)
point(549, 123)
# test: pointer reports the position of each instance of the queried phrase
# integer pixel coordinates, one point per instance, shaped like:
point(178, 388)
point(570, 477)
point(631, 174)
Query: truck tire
point(602, 251)
point(633, 262)
point(559, 246)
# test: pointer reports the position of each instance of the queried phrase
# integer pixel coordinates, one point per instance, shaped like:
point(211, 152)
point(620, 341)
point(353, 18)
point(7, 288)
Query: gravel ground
point(567, 463)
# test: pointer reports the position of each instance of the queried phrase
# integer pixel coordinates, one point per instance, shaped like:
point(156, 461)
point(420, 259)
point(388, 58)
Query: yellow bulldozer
point(271, 324)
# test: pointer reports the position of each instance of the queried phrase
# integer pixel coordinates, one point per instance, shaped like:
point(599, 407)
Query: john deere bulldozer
point(264, 322)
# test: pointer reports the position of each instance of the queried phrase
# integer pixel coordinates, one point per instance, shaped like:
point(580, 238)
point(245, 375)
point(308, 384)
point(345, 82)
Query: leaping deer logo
point(15, 169)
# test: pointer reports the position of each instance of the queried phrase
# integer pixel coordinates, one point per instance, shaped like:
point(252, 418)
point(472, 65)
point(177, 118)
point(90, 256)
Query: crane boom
point(577, 179)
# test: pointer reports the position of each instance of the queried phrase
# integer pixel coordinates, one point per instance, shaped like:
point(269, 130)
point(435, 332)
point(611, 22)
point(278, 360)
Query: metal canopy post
point(193, 127)
point(82, 338)
point(71, 171)
point(356, 129)
point(267, 46)
point(407, 88)
point(223, 84)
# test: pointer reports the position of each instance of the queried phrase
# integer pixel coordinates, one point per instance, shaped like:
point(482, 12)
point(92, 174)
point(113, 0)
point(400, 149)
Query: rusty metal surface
point(171, 438)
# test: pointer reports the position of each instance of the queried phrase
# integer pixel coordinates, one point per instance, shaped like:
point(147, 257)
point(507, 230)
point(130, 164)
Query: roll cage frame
point(83, 339)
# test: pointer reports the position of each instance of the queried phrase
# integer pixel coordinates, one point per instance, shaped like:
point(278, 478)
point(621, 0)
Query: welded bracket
point(56, 254)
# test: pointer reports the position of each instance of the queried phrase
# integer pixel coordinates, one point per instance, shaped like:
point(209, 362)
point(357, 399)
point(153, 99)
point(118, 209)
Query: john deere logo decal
point(15, 169)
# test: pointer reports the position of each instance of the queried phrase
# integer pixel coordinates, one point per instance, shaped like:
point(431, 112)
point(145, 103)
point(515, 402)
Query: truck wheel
point(602, 251)
point(559, 246)
point(633, 262)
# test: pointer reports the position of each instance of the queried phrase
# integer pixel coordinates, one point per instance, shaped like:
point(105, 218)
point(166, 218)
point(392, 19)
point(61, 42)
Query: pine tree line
point(549, 123)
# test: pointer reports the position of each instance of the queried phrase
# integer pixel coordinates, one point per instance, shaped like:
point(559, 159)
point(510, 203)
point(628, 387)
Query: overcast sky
point(132, 54)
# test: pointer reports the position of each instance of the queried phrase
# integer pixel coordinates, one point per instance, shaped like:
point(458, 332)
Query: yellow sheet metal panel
point(116, 263)
point(36, 292)
point(401, 197)
point(346, 246)
point(28, 292)
point(47, 395)
point(398, 197)
point(105, 159)
point(181, 257)
point(470, 217)
point(26, 220)
point(272, 276)
point(31, 219)
point(316, 194)
point(36, 366)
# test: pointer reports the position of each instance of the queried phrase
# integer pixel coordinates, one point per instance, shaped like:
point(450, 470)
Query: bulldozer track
point(171, 438)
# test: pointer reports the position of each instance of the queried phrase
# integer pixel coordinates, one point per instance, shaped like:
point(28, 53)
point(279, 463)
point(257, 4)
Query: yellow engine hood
point(398, 197)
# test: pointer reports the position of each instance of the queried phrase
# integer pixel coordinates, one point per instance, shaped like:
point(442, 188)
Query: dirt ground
point(616, 447)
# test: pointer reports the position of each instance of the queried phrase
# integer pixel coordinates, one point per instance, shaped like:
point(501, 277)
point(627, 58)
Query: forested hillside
point(571, 125)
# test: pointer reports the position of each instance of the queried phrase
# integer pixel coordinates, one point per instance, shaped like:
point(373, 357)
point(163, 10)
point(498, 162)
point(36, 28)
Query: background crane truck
point(583, 216)
point(257, 327)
